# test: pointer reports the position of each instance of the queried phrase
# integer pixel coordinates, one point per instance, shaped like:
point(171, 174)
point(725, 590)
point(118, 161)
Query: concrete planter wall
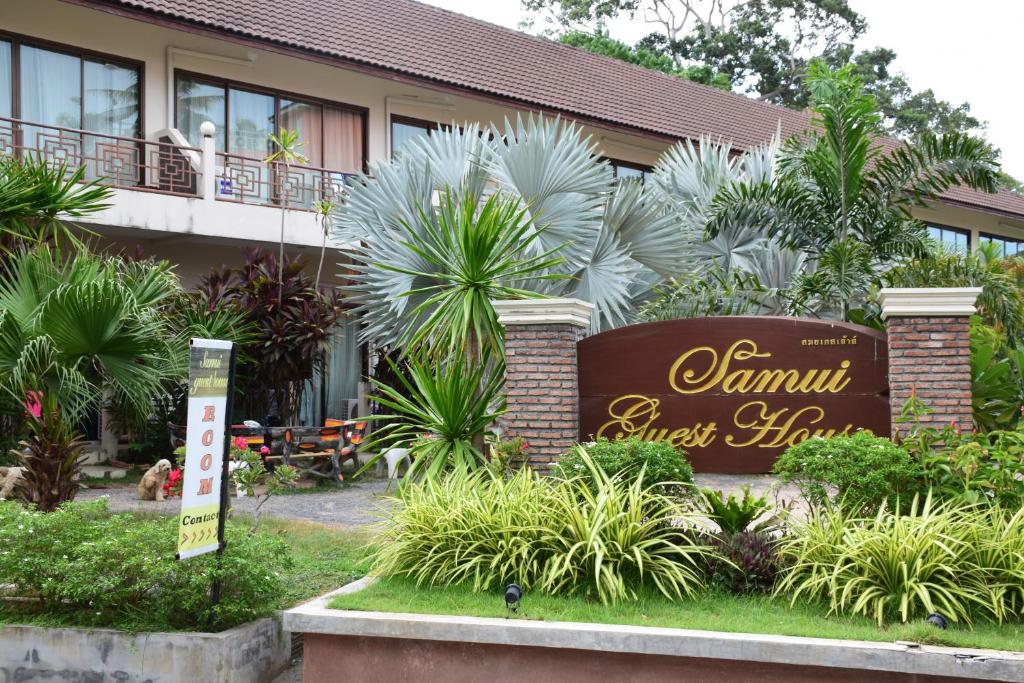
point(376, 646)
point(252, 653)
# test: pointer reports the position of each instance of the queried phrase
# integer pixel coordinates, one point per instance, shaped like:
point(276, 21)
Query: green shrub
point(976, 468)
point(732, 515)
point(860, 471)
point(661, 462)
point(542, 533)
point(935, 557)
point(120, 570)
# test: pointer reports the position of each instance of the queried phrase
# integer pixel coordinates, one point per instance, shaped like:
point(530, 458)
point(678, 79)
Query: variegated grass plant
point(940, 557)
point(544, 534)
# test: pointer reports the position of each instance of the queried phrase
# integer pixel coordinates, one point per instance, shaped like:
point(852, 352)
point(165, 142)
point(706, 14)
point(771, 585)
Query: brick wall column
point(929, 351)
point(541, 388)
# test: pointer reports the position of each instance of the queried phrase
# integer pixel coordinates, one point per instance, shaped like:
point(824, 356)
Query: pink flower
point(264, 450)
point(240, 442)
point(34, 405)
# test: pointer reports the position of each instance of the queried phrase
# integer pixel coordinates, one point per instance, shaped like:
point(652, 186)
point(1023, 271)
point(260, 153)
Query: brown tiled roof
point(444, 47)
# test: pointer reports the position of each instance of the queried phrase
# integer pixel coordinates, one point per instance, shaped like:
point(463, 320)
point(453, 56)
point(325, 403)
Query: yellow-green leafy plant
point(556, 536)
point(994, 540)
point(893, 566)
point(609, 536)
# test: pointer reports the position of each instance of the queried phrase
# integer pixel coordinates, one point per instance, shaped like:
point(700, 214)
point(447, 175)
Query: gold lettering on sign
point(634, 415)
point(688, 375)
point(784, 427)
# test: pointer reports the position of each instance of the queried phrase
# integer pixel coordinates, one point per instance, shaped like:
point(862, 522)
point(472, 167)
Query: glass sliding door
point(50, 92)
point(111, 106)
point(6, 81)
point(197, 102)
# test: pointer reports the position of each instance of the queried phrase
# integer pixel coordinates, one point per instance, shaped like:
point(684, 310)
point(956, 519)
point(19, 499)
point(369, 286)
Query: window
point(6, 79)
point(1008, 245)
point(954, 239)
point(333, 135)
point(625, 169)
point(66, 88)
point(404, 130)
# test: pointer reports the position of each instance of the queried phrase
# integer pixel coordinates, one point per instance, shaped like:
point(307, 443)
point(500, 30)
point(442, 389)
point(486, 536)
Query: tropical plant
point(744, 562)
point(844, 196)
point(660, 462)
point(732, 515)
point(82, 327)
point(613, 239)
point(441, 410)
point(37, 197)
point(52, 457)
point(997, 379)
point(860, 471)
point(545, 534)
point(709, 292)
point(895, 565)
point(471, 255)
point(290, 323)
point(323, 209)
point(1001, 301)
point(286, 152)
point(252, 472)
point(610, 535)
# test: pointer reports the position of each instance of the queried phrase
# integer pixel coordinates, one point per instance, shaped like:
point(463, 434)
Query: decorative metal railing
point(130, 163)
point(252, 181)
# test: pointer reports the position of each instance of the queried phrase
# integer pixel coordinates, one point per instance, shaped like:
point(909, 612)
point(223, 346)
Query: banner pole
point(224, 473)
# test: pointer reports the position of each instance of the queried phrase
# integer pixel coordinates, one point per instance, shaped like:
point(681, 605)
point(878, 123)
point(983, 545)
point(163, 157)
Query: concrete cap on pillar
point(928, 302)
point(544, 312)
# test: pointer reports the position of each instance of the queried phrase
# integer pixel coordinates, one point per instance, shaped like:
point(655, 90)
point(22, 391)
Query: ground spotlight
point(513, 592)
point(937, 620)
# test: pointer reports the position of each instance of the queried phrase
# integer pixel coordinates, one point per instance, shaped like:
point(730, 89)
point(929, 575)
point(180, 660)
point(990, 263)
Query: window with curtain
point(66, 88)
point(1008, 245)
point(6, 79)
point(332, 134)
point(954, 239)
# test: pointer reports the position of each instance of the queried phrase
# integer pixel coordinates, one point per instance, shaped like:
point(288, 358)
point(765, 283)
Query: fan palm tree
point(844, 193)
point(571, 231)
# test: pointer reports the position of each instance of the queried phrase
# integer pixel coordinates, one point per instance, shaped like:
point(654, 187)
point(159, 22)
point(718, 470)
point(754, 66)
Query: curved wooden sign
point(734, 392)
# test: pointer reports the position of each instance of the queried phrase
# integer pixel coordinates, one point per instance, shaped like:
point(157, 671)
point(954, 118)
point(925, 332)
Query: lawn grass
point(712, 612)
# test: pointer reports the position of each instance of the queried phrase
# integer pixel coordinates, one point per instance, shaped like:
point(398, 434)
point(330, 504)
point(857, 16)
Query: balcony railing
point(168, 166)
point(129, 163)
point(252, 181)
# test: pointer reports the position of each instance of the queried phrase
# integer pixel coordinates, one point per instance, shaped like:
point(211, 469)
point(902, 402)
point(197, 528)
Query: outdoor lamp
point(513, 592)
point(936, 620)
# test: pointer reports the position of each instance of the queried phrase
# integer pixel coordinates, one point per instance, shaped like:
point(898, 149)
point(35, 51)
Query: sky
point(970, 52)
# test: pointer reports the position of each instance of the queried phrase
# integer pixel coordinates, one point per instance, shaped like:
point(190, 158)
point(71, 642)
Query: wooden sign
point(733, 392)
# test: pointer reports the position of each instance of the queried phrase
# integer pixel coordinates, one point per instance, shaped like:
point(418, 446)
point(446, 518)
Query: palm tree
point(610, 241)
point(844, 194)
point(287, 146)
point(37, 196)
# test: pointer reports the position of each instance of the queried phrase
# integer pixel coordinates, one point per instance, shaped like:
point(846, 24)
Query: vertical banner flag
point(209, 381)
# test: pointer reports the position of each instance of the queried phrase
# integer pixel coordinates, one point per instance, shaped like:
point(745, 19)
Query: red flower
point(34, 405)
point(172, 487)
point(240, 442)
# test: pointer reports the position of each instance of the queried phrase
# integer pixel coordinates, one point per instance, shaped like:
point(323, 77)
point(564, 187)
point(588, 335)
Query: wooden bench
point(318, 451)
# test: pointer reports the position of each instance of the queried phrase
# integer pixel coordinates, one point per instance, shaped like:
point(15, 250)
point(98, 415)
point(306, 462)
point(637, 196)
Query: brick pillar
point(929, 351)
point(540, 373)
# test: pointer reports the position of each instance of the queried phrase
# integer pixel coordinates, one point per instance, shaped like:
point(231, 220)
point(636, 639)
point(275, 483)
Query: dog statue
point(9, 478)
point(152, 485)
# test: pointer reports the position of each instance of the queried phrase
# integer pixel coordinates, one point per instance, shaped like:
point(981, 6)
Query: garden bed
point(453, 634)
point(713, 611)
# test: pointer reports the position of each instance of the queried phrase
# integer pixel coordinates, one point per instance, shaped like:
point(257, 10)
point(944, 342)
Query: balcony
point(166, 185)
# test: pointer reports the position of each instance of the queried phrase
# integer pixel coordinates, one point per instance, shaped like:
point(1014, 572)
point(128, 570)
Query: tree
point(844, 198)
point(557, 199)
point(759, 47)
point(287, 146)
point(599, 42)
